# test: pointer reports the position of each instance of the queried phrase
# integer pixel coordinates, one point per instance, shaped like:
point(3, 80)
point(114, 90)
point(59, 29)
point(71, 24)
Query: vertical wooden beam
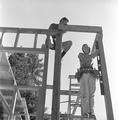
point(35, 40)
point(107, 95)
point(16, 40)
point(69, 99)
point(56, 79)
point(1, 38)
point(42, 91)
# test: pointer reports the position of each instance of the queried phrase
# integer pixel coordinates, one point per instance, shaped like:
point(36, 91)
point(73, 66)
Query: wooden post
point(69, 99)
point(35, 40)
point(42, 90)
point(16, 40)
point(1, 38)
point(56, 79)
point(107, 95)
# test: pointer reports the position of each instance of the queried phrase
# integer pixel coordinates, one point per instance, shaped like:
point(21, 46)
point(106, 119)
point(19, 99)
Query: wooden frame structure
point(57, 65)
point(57, 69)
point(44, 50)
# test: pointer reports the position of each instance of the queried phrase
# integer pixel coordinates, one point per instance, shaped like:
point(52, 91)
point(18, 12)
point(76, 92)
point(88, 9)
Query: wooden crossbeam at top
point(81, 28)
point(25, 30)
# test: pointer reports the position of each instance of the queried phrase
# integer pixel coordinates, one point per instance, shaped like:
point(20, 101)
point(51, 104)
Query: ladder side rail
point(69, 101)
point(17, 93)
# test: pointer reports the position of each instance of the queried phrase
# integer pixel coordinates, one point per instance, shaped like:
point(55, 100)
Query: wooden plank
point(22, 50)
point(56, 79)
point(35, 40)
point(1, 38)
point(78, 117)
point(7, 90)
point(75, 85)
point(26, 30)
point(42, 91)
point(16, 40)
point(81, 28)
point(23, 30)
point(69, 99)
point(107, 94)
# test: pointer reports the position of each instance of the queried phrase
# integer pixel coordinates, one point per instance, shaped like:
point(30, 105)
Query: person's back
point(52, 39)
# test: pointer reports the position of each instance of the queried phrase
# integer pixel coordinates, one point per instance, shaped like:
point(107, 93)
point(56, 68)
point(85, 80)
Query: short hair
point(64, 18)
point(84, 46)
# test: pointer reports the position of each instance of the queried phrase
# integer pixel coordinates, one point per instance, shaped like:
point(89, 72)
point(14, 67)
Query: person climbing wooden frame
point(65, 45)
point(87, 75)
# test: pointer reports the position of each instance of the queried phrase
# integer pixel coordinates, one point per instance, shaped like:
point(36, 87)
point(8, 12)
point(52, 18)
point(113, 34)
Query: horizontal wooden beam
point(23, 30)
point(81, 28)
point(35, 88)
point(67, 92)
point(61, 115)
point(22, 50)
point(26, 30)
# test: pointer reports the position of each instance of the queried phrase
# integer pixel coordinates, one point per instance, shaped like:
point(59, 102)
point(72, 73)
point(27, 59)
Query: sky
point(41, 13)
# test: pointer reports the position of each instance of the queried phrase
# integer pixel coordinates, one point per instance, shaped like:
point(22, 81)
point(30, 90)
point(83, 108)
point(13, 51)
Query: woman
point(87, 78)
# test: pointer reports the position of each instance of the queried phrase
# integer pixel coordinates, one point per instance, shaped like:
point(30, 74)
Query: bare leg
point(65, 47)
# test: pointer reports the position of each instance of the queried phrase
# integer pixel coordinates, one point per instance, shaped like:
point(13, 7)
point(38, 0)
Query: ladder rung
point(75, 84)
point(72, 77)
point(72, 89)
point(76, 105)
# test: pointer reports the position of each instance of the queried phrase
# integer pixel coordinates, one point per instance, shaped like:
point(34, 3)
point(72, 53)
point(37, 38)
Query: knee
point(70, 43)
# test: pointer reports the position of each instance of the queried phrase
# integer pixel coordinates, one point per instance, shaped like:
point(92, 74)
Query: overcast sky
point(41, 13)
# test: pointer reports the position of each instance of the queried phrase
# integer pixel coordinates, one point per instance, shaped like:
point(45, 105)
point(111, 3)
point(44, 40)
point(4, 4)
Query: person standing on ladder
point(87, 76)
point(65, 45)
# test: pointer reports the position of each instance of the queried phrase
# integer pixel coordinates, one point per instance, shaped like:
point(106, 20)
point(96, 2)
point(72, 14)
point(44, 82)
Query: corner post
point(56, 79)
point(107, 95)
